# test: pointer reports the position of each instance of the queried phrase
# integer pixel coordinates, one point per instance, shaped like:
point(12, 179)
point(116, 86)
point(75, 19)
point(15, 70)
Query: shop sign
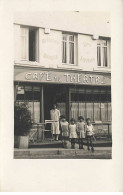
point(63, 77)
point(20, 90)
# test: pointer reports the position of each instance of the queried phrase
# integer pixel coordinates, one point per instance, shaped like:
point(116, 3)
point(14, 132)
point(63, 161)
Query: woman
point(55, 115)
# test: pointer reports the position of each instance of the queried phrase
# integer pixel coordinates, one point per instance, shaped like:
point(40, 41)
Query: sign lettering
point(62, 77)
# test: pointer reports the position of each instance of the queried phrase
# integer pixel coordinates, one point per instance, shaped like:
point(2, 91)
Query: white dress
point(89, 130)
point(64, 127)
point(55, 114)
point(72, 129)
point(81, 129)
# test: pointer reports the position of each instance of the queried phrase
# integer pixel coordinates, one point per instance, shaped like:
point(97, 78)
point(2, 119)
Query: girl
point(65, 130)
point(89, 133)
point(72, 133)
point(81, 131)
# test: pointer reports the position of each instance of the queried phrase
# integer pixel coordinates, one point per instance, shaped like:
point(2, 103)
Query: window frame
point(67, 41)
point(27, 28)
point(102, 46)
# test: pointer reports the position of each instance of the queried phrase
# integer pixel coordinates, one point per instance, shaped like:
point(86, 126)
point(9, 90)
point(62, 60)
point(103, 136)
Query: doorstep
point(58, 144)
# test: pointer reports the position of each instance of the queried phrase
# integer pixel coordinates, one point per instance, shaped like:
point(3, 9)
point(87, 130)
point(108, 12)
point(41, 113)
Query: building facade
point(63, 61)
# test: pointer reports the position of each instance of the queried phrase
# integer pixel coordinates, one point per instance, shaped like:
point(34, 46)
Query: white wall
point(50, 48)
point(50, 51)
point(87, 52)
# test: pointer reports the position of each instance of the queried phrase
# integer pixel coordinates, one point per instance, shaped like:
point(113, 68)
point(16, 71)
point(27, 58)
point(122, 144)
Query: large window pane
point(82, 111)
point(36, 112)
point(28, 93)
point(97, 112)
point(81, 97)
point(104, 107)
point(109, 112)
point(30, 105)
point(62, 107)
point(89, 110)
point(74, 110)
point(36, 92)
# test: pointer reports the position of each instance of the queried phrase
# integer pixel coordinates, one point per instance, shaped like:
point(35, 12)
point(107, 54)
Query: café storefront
point(75, 92)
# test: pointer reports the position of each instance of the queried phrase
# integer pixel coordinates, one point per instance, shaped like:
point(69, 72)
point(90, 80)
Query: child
point(65, 130)
point(81, 131)
point(89, 133)
point(72, 133)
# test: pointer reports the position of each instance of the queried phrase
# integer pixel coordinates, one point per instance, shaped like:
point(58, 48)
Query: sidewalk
point(58, 144)
point(60, 153)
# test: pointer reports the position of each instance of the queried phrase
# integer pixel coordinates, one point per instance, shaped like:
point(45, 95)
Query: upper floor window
point(103, 53)
point(68, 49)
point(29, 44)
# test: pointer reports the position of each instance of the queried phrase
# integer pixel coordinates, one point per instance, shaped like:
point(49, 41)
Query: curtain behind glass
point(71, 49)
point(64, 52)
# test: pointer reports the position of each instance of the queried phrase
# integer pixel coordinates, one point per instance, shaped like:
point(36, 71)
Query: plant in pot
point(22, 125)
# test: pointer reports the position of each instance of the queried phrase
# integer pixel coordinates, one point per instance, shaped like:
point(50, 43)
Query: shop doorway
point(54, 93)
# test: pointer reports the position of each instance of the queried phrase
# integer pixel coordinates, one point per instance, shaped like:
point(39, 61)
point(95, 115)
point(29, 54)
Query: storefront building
point(64, 66)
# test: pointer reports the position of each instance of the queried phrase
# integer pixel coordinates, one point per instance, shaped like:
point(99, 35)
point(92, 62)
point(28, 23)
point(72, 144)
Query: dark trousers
point(80, 143)
point(89, 138)
point(73, 143)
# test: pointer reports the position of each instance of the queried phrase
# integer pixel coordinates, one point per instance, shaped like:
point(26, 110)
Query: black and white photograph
point(62, 85)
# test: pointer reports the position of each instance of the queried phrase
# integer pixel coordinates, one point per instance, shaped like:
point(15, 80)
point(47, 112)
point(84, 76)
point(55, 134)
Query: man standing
point(55, 115)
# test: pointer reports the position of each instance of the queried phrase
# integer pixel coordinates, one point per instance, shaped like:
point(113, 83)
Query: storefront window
point(61, 102)
point(30, 95)
point(94, 103)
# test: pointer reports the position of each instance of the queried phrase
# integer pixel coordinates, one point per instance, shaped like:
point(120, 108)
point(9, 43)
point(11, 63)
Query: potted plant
point(22, 125)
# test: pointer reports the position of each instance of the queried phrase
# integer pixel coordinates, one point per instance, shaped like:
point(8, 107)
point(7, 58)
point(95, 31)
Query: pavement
point(61, 153)
point(58, 144)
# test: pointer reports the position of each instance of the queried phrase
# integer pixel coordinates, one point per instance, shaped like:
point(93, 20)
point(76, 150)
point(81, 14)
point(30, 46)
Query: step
point(61, 153)
point(58, 144)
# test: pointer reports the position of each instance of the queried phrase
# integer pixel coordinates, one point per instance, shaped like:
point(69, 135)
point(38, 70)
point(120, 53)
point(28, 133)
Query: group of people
point(73, 131)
